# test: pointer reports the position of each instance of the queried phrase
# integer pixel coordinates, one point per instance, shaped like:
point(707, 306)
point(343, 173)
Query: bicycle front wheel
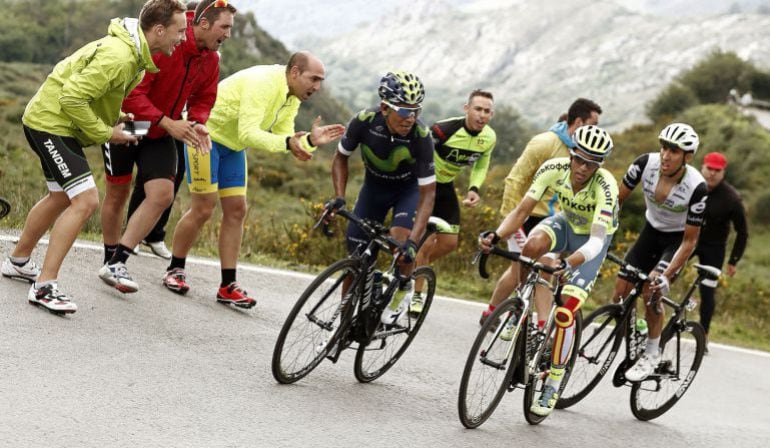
point(679, 362)
point(490, 365)
point(598, 347)
point(538, 376)
point(389, 342)
point(315, 323)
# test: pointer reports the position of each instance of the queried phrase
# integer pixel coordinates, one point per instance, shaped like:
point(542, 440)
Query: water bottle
point(641, 326)
point(377, 286)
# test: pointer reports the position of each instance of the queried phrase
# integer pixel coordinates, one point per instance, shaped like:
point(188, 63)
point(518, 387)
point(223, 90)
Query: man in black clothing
point(722, 207)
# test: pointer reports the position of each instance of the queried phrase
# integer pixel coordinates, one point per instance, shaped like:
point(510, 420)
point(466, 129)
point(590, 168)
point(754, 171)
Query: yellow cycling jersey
point(596, 203)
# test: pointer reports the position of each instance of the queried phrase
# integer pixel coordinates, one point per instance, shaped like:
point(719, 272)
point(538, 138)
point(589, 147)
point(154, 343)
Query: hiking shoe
point(117, 275)
point(398, 304)
point(545, 404)
point(176, 281)
point(643, 368)
point(233, 294)
point(158, 248)
point(27, 272)
point(50, 297)
point(416, 305)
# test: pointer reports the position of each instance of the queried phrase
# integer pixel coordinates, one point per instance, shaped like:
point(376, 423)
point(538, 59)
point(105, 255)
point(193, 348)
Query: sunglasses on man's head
point(214, 4)
point(405, 112)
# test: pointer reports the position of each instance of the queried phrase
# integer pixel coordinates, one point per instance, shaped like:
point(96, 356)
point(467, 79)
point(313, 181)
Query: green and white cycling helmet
point(401, 87)
point(592, 140)
point(680, 135)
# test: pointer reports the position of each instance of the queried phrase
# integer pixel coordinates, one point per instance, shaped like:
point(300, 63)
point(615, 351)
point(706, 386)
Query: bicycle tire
point(647, 404)
point(599, 344)
point(372, 361)
point(5, 208)
point(331, 305)
point(474, 411)
point(535, 382)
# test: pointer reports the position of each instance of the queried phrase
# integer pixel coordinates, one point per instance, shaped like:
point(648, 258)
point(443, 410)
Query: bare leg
point(39, 219)
point(189, 226)
point(159, 193)
point(112, 211)
point(230, 235)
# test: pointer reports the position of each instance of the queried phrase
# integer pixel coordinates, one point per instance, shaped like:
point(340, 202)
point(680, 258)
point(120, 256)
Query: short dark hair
point(479, 92)
point(211, 14)
point(159, 12)
point(300, 59)
point(582, 108)
point(192, 5)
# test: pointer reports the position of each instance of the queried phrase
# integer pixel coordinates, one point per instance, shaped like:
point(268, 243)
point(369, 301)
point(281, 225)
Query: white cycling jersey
point(685, 204)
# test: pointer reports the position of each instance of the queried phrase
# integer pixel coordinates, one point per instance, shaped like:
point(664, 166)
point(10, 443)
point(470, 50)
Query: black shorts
point(710, 255)
point(653, 249)
point(155, 158)
point(64, 164)
point(447, 207)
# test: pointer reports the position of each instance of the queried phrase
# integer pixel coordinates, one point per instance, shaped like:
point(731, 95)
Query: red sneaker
point(233, 294)
point(175, 281)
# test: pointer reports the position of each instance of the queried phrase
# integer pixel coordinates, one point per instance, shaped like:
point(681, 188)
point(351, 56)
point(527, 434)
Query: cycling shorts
point(652, 249)
point(222, 170)
point(64, 164)
point(447, 207)
point(376, 200)
point(155, 158)
point(564, 239)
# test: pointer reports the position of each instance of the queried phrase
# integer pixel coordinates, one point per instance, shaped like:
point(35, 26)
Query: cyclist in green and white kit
point(458, 142)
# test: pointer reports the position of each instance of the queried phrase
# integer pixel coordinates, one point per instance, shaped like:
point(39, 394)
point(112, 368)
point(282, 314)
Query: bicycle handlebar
point(481, 259)
point(634, 271)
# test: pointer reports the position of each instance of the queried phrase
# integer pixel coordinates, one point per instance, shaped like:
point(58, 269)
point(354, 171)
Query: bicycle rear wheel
point(679, 363)
point(490, 366)
point(599, 344)
point(389, 342)
point(536, 381)
point(315, 323)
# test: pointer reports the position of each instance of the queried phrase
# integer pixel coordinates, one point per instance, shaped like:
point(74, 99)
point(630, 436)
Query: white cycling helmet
point(681, 135)
point(593, 140)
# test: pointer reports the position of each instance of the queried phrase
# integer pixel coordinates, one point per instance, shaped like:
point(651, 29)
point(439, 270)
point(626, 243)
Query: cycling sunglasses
point(405, 112)
point(214, 4)
point(584, 161)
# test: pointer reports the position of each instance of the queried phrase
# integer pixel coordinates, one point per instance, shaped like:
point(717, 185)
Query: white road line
point(301, 275)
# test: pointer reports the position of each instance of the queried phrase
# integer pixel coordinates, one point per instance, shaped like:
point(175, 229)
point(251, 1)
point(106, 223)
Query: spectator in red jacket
point(188, 77)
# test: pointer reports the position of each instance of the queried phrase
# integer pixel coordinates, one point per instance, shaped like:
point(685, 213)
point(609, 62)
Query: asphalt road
point(157, 369)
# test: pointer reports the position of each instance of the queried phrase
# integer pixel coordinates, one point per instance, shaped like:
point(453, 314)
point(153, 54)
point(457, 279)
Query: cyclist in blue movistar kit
point(397, 151)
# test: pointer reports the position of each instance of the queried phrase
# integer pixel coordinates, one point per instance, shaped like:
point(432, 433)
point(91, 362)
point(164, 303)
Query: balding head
point(304, 73)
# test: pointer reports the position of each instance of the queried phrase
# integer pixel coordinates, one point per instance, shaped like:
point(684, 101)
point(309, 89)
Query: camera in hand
point(136, 128)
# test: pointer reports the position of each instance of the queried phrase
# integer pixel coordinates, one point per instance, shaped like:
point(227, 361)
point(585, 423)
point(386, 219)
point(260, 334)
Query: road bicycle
point(521, 359)
point(324, 321)
point(682, 343)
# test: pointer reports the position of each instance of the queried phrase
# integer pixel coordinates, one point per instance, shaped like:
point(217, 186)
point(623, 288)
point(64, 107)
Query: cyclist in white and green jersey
point(458, 142)
point(588, 197)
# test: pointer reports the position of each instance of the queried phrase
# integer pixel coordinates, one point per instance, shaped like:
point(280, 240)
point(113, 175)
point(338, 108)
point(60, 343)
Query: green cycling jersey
point(595, 203)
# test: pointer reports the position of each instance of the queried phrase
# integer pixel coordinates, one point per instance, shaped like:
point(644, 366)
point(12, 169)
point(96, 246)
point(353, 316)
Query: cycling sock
point(228, 276)
point(555, 376)
point(176, 262)
point(653, 346)
point(121, 254)
point(109, 251)
point(19, 261)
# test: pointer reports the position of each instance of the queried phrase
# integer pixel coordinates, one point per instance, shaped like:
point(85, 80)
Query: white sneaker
point(398, 304)
point(159, 248)
point(643, 368)
point(117, 275)
point(51, 298)
point(27, 272)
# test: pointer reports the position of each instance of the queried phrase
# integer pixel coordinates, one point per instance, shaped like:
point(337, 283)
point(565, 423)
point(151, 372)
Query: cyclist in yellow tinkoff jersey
point(588, 196)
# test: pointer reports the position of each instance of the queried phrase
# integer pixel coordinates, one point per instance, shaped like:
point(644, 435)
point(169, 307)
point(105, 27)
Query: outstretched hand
point(296, 148)
point(321, 135)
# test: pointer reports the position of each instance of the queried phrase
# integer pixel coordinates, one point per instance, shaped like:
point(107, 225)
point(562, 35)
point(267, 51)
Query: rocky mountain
point(536, 56)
